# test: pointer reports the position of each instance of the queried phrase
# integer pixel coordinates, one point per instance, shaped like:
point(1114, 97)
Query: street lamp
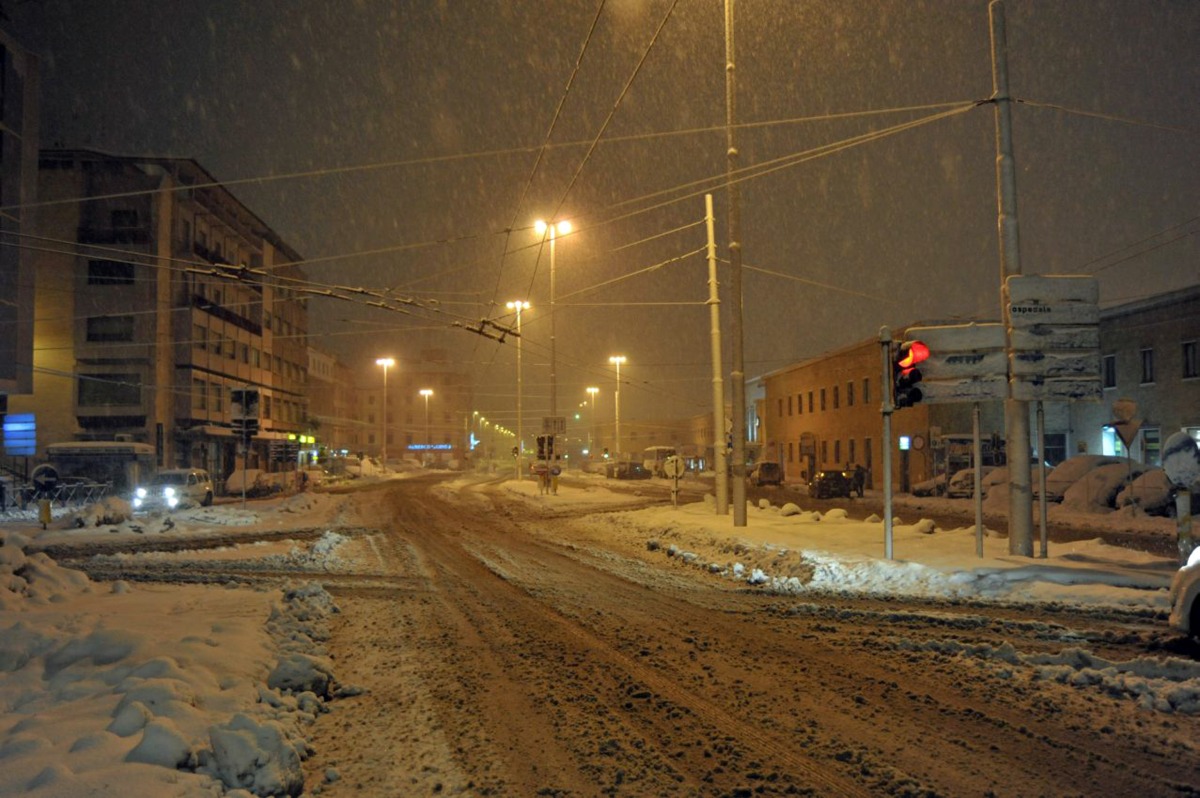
point(518, 307)
point(387, 363)
point(592, 421)
point(617, 360)
point(544, 229)
point(428, 438)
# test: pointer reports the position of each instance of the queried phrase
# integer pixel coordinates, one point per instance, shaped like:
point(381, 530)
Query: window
point(837, 448)
point(1147, 366)
point(791, 451)
point(836, 397)
point(825, 452)
point(781, 408)
point(850, 396)
point(109, 272)
point(822, 400)
point(1108, 369)
point(199, 336)
point(199, 394)
point(866, 390)
point(789, 405)
point(110, 328)
point(799, 404)
point(1151, 446)
point(110, 389)
point(125, 219)
point(1191, 367)
point(850, 458)
point(810, 402)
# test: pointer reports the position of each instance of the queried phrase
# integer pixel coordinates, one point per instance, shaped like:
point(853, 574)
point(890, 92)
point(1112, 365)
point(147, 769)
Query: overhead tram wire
point(1125, 120)
point(707, 184)
point(449, 158)
point(541, 151)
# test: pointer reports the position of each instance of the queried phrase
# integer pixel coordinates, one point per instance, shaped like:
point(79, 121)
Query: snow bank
point(165, 690)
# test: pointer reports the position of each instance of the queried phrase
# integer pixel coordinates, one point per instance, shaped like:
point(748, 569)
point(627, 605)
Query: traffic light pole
point(885, 348)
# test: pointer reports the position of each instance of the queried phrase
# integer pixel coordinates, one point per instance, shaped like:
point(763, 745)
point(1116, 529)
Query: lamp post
point(428, 438)
point(552, 230)
point(592, 420)
point(387, 363)
point(617, 360)
point(518, 307)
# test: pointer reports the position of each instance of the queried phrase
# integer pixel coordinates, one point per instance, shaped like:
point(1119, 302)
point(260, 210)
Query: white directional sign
point(1055, 331)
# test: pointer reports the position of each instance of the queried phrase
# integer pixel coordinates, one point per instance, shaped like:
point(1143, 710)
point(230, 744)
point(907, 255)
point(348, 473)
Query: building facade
point(431, 428)
point(170, 295)
point(1149, 355)
point(19, 104)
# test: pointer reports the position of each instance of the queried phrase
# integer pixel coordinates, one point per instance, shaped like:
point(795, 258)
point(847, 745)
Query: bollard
point(44, 512)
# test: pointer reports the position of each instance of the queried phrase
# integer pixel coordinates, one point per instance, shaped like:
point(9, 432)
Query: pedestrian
point(860, 480)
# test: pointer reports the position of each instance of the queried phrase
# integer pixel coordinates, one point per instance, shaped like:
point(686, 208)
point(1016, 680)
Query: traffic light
point(905, 374)
point(545, 445)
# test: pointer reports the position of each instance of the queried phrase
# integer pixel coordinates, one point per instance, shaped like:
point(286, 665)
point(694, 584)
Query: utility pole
point(737, 374)
point(1016, 411)
point(718, 387)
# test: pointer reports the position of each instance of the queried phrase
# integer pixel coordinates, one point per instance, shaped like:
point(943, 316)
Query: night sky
point(397, 146)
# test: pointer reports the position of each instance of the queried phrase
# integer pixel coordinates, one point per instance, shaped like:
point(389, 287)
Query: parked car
point(1070, 471)
point(175, 488)
point(1185, 597)
point(962, 484)
point(830, 483)
point(766, 472)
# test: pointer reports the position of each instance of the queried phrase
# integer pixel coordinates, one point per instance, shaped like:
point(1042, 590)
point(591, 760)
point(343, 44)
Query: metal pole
point(721, 487)
point(1016, 411)
point(1041, 453)
point(520, 415)
point(617, 403)
point(553, 355)
point(977, 457)
point(737, 374)
point(885, 347)
point(383, 419)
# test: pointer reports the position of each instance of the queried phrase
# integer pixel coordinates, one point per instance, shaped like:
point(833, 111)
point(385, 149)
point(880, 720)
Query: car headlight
point(141, 493)
point(172, 501)
point(137, 501)
point(169, 493)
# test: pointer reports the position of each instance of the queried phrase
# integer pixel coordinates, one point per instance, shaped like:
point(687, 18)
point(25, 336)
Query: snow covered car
point(962, 484)
point(766, 473)
point(1185, 597)
point(174, 488)
point(1070, 471)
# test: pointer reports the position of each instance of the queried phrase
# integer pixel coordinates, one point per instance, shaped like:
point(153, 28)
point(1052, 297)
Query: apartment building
point(162, 293)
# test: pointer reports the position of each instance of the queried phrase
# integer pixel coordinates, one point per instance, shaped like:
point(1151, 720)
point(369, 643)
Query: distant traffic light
point(905, 374)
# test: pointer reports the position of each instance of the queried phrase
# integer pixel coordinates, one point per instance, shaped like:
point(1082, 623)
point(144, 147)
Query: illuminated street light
point(617, 360)
point(387, 363)
point(552, 230)
point(519, 306)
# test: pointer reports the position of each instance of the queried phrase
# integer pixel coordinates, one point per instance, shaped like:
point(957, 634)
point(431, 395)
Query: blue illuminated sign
point(20, 435)
point(429, 447)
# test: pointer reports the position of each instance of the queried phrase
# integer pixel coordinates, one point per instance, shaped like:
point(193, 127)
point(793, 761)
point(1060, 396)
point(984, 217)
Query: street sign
point(1055, 332)
point(674, 466)
point(966, 362)
point(554, 425)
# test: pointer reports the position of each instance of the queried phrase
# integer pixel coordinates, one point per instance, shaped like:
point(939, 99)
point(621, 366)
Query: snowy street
point(491, 641)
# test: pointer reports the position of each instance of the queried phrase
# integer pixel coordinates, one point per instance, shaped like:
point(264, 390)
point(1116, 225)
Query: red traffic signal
point(905, 374)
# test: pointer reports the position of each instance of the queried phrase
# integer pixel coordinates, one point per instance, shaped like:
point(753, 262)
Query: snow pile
point(1162, 684)
point(796, 552)
point(166, 690)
